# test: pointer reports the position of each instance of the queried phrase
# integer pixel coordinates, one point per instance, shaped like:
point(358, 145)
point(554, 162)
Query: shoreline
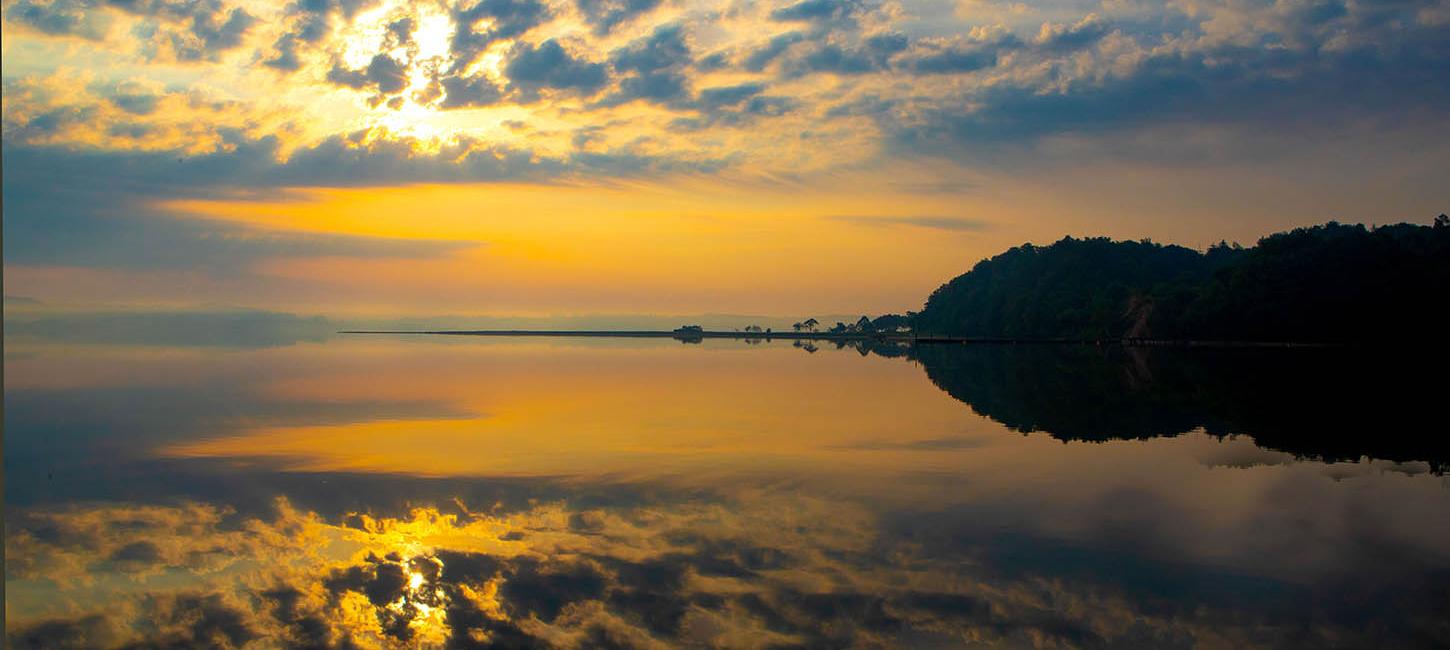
point(855, 336)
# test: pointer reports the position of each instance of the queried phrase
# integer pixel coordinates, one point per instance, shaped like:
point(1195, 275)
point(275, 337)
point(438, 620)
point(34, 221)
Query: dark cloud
point(605, 15)
point(835, 59)
point(285, 58)
point(508, 19)
point(60, 17)
point(222, 36)
point(662, 49)
point(136, 103)
point(654, 66)
point(90, 631)
point(956, 57)
point(111, 179)
point(400, 31)
point(549, 66)
point(182, 30)
point(464, 92)
point(384, 73)
point(758, 59)
point(1250, 88)
point(309, 22)
point(733, 106)
point(729, 95)
point(820, 11)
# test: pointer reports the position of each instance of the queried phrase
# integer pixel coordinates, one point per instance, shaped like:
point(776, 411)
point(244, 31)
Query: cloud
point(466, 92)
point(47, 225)
point(1084, 33)
point(659, 574)
point(935, 222)
point(971, 91)
point(383, 73)
point(761, 57)
point(820, 11)
point(656, 65)
point(60, 17)
point(606, 15)
point(504, 19)
point(167, 30)
point(549, 66)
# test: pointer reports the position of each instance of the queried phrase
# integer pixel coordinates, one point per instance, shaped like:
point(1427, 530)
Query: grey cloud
point(820, 11)
point(42, 180)
point(654, 86)
point(832, 53)
point(60, 17)
point(400, 31)
point(1385, 71)
point(309, 24)
point(834, 58)
point(548, 65)
point(383, 72)
point(664, 48)
point(656, 65)
point(510, 18)
point(224, 36)
point(729, 95)
point(606, 15)
point(285, 58)
point(54, 120)
point(190, 31)
point(733, 106)
point(464, 92)
point(772, 50)
point(931, 57)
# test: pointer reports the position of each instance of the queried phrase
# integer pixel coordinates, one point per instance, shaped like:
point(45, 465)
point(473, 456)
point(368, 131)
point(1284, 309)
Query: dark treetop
point(1329, 283)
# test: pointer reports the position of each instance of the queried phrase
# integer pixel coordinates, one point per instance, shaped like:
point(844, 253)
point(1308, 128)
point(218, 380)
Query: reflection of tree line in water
point(1328, 404)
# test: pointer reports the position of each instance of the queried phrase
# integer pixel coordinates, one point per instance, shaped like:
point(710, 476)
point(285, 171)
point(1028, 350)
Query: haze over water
point(387, 490)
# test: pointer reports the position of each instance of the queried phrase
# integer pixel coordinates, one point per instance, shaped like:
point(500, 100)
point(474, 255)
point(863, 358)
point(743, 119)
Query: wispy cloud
point(961, 224)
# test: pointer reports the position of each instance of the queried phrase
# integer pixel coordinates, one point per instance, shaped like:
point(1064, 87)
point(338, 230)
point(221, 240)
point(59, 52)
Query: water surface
point(384, 491)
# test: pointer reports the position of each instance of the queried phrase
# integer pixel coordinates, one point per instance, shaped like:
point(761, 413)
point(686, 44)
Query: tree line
point(1327, 283)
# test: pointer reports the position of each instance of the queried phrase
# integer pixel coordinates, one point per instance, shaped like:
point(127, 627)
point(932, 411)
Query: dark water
point(391, 491)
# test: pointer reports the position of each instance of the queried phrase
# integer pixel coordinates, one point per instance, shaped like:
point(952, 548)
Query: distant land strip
point(903, 337)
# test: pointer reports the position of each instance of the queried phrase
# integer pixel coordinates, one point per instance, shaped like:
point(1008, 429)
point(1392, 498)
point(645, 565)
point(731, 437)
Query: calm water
point(384, 491)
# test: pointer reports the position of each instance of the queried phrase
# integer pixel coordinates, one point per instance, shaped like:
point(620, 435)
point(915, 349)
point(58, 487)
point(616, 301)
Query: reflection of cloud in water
point(719, 495)
point(774, 569)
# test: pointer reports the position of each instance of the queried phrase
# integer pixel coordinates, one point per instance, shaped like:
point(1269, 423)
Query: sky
point(567, 157)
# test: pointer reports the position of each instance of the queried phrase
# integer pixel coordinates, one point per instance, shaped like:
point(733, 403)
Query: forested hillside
point(1326, 283)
